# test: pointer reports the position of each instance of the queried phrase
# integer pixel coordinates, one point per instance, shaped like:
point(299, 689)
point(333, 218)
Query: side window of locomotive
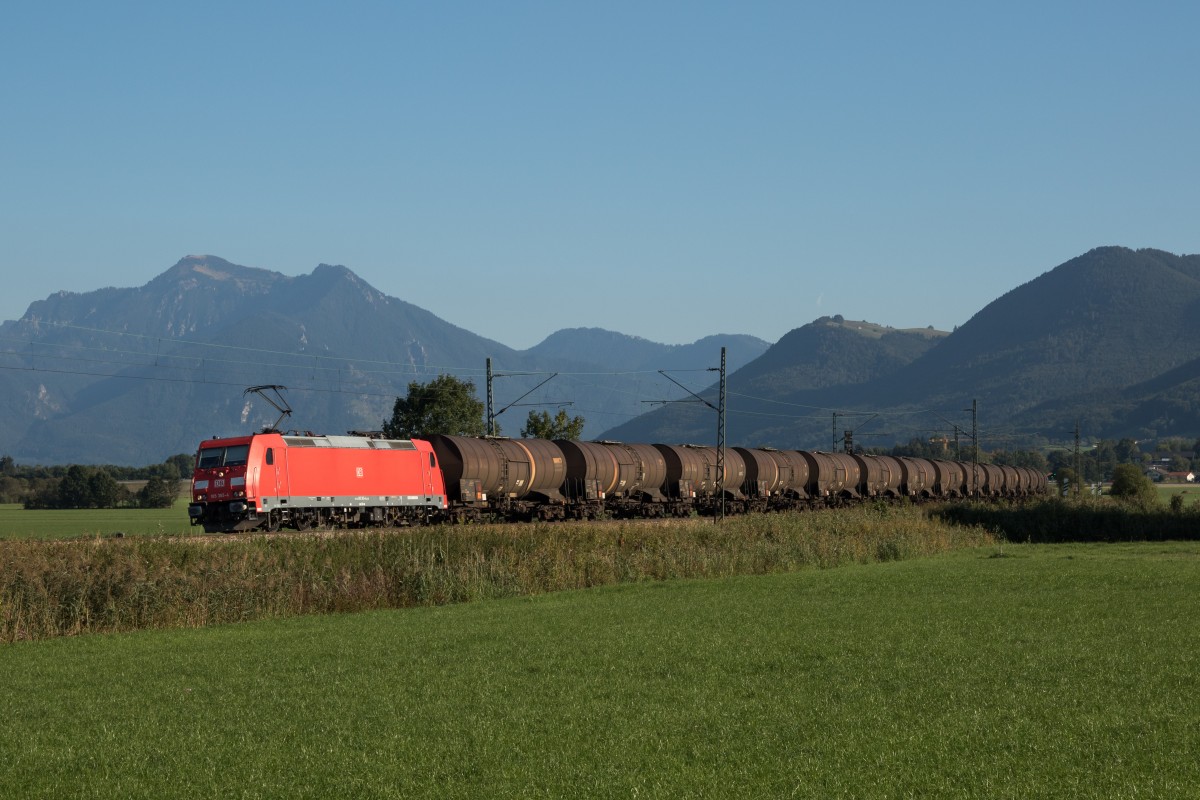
point(210, 457)
point(270, 456)
point(432, 462)
point(236, 456)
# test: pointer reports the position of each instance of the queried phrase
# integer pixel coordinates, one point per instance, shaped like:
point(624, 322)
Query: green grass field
point(1190, 492)
point(1045, 671)
point(17, 523)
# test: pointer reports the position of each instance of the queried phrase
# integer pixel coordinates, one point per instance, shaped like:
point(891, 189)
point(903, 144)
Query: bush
point(1131, 486)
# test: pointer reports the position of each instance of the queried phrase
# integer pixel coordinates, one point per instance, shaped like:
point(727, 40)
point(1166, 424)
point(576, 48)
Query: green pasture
point(1028, 671)
point(17, 523)
point(1190, 492)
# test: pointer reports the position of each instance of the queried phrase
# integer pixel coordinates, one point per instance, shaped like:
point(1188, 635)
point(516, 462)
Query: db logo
point(358, 472)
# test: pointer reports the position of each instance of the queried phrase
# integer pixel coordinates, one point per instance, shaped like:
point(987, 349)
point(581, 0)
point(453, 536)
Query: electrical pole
point(1079, 475)
point(491, 414)
point(491, 418)
point(720, 409)
point(721, 439)
point(974, 442)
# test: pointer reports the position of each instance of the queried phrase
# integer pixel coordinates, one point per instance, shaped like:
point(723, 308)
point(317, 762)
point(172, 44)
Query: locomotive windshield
point(232, 456)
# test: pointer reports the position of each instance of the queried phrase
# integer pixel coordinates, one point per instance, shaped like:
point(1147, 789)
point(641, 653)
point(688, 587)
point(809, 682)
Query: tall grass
point(50, 589)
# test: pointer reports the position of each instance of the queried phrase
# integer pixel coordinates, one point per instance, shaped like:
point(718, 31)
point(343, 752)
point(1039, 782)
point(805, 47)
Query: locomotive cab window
point(432, 462)
point(210, 457)
point(270, 456)
point(232, 456)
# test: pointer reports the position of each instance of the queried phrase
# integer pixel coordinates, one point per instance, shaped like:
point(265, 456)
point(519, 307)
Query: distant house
point(1181, 477)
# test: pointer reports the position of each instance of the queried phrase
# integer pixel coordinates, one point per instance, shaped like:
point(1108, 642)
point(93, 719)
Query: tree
point(158, 493)
point(73, 489)
point(183, 463)
point(1104, 456)
point(539, 425)
point(1130, 485)
point(1128, 452)
point(444, 405)
point(1021, 458)
point(104, 490)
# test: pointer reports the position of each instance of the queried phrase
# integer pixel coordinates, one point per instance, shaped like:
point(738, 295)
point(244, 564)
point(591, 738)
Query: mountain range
point(133, 375)
point(1108, 340)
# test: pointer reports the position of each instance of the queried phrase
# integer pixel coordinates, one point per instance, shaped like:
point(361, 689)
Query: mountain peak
point(194, 270)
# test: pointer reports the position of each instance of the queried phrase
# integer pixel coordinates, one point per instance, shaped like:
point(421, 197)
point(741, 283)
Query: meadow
point(1190, 492)
point(1023, 671)
point(17, 523)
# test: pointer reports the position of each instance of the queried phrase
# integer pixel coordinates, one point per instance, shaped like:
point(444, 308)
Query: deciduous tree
point(1130, 485)
point(158, 493)
point(445, 405)
point(540, 425)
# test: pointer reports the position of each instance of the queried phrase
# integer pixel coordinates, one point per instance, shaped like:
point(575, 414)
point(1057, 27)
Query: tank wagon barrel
point(692, 473)
point(524, 474)
point(920, 477)
point(793, 473)
point(833, 477)
point(775, 479)
point(874, 475)
point(763, 475)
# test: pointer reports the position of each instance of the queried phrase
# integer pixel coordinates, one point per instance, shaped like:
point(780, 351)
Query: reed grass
point(67, 588)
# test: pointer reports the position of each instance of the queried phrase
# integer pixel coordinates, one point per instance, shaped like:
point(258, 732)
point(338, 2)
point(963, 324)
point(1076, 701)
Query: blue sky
point(668, 170)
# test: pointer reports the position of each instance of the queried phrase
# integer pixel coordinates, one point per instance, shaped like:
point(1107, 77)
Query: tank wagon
point(269, 480)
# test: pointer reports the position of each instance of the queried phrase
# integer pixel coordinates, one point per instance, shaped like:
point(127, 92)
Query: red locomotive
point(272, 480)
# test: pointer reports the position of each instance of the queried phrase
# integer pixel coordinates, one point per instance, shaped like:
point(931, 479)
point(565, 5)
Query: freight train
point(268, 481)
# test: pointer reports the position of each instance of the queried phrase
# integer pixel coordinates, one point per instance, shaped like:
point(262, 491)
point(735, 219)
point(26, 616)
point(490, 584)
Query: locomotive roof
point(358, 442)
